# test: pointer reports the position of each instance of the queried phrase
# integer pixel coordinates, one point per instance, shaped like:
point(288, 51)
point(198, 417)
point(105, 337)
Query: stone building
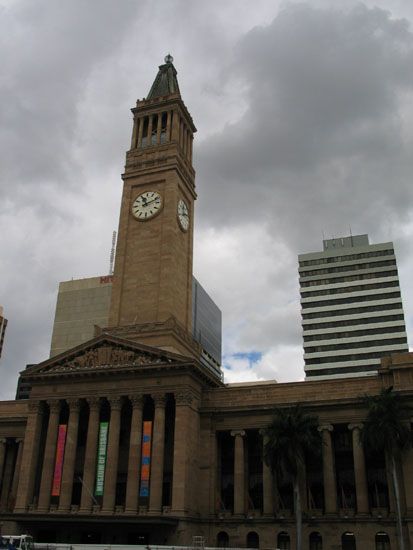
point(129, 438)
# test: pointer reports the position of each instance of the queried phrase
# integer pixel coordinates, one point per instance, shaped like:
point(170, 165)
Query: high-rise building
point(83, 304)
point(352, 312)
point(3, 324)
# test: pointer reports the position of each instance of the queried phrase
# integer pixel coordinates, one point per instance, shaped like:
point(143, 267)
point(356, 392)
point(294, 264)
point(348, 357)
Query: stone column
point(111, 470)
point(183, 437)
point(135, 132)
point(329, 478)
point(214, 482)
point(135, 442)
point(7, 476)
point(89, 467)
point(150, 123)
point(30, 456)
point(267, 482)
point(239, 472)
point(359, 471)
point(15, 482)
point(3, 443)
point(168, 126)
point(141, 123)
point(181, 135)
point(175, 126)
point(158, 446)
point(49, 457)
point(191, 143)
point(70, 456)
point(407, 463)
point(158, 129)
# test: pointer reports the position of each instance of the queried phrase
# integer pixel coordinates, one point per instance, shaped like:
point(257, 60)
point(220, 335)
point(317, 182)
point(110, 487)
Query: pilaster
point(239, 472)
point(49, 456)
point(111, 471)
point(158, 445)
point(329, 478)
point(70, 456)
point(89, 467)
point(359, 470)
point(135, 443)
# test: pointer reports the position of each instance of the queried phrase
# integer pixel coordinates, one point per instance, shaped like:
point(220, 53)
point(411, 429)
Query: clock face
point(146, 205)
point(183, 215)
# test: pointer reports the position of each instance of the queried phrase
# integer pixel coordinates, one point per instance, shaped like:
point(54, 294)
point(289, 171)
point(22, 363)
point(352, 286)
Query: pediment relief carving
point(102, 356)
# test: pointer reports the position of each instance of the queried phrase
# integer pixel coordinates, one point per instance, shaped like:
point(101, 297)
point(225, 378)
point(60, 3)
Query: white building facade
point(352, 313)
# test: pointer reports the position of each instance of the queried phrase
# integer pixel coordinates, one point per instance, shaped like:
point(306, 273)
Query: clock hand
point(153, 200)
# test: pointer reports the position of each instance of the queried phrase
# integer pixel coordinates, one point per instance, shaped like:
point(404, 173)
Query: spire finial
point(169, 58)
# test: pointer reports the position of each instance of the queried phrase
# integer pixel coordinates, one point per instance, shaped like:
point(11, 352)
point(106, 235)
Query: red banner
point(60, 453)
point(146, 458)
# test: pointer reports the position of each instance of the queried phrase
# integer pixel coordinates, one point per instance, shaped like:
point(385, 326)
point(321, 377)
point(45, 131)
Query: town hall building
point(130, 438)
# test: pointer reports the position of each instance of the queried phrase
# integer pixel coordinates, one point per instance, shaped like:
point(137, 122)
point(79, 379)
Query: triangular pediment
point(105, 353)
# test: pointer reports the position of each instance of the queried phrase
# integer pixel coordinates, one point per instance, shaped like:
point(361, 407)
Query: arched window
point(348, 541)
point(382, 541)
point(316, 541)
point(283, 541)
point(222, 540)
point(253, 540)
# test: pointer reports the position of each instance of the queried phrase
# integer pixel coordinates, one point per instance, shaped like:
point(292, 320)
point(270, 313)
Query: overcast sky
point(304, 113)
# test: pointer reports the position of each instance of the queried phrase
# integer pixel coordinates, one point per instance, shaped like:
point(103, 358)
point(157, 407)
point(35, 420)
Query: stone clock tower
point(152, 288)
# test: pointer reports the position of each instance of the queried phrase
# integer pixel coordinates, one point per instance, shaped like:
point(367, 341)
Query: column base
point(85, 510)
point(131, 512)
point(63, 510)
point(107, 512)
point(154, 512)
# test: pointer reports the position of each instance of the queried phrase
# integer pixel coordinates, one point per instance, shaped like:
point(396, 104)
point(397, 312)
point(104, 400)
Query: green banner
point(101, 458)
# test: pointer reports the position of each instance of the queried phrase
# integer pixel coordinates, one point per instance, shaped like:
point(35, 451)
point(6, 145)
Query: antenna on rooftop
point(112, 253)
point(351, 236)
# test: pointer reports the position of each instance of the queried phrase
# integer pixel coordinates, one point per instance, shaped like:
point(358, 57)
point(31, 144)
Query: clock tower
point(152, 287)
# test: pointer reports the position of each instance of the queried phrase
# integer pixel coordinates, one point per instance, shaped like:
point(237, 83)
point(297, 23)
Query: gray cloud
point(304, 115)
point(323, 133)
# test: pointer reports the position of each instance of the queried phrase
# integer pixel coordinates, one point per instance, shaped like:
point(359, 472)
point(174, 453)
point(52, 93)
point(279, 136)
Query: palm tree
point(291, 438)
point(386, 430)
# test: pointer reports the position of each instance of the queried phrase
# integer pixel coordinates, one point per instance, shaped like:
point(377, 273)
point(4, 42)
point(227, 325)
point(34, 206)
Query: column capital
point(159, 399)
point(355, 426)
point(54, 405)
point(73, 403)
point(35, 406)
point(93, 402)
point(234, 433)
point(18, 439)
point(184, 398)
point(3, 440)
point(325, 428)
point(115, 402)
point(136, 399)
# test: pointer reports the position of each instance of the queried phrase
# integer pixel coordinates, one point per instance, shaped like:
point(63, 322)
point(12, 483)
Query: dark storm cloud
point(322, 140)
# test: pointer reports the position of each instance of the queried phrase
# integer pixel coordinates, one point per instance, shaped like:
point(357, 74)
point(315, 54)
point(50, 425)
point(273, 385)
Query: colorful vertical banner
point(101, 457)
point(146, 458)
point(58, 465)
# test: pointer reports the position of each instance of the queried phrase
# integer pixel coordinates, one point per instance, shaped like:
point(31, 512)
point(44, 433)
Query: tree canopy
point(292, 437)
point(385, 428)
